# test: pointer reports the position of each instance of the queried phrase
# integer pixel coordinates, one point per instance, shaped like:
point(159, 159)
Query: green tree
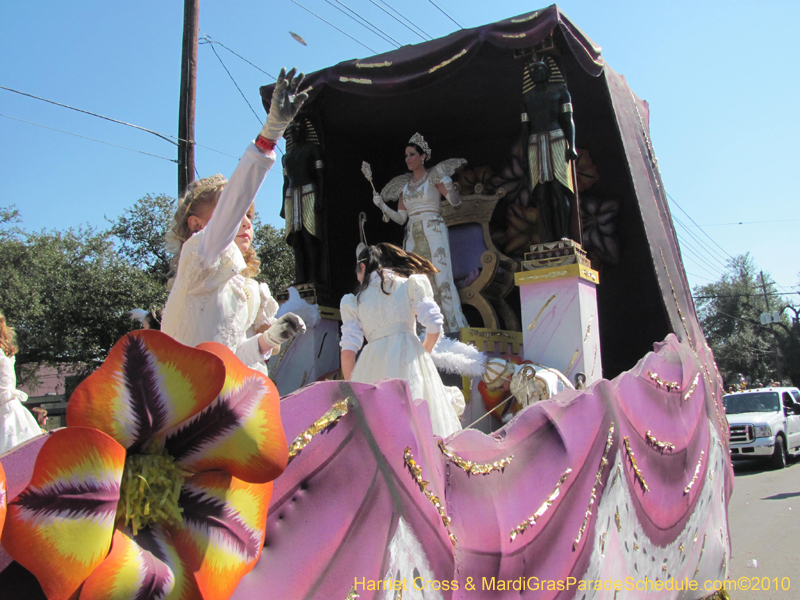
point(140, 232)
point(66, 293)
point(730, 311)
point(277, 258)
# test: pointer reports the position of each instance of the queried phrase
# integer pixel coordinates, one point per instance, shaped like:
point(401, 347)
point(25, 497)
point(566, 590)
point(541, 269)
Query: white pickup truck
point(764, 423)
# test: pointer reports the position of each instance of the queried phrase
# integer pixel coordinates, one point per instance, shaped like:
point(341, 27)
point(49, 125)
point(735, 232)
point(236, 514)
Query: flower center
point(151, 486)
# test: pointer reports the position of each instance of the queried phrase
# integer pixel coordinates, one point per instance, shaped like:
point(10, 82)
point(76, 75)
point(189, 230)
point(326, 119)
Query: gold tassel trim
point(597, 481)
point(416, 473)
point(472, 468)
point(658, 444)
point(336, 412)
point(530, 521)
point(688, 488)
point(636, 470)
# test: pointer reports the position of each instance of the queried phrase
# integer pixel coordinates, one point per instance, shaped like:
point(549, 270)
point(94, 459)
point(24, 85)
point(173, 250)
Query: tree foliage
point(730, 313)
point(277, 258)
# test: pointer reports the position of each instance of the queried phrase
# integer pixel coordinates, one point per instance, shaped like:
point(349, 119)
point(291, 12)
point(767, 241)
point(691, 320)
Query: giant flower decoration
point(3, 500)
point(159, 486)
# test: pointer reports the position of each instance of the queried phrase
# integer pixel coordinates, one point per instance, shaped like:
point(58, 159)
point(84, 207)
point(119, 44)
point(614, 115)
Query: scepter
point(367, 171)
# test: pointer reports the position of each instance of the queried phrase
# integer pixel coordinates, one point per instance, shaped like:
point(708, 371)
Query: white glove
point(398, 216)
point(284, 329)
point(286, 103)
point(452, 196)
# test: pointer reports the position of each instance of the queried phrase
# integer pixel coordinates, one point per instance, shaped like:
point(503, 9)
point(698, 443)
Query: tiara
point(205, 184)
point(420, 141)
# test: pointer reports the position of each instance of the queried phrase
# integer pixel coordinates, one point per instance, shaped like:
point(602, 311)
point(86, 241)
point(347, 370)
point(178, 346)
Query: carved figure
point(302, 200)
point(550, 137)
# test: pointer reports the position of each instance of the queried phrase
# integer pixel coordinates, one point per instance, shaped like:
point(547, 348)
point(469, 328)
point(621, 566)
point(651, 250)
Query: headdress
point(362, 245)
point(420, 141)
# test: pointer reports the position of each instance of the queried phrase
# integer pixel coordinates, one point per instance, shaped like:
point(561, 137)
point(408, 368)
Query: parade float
point(618, 488)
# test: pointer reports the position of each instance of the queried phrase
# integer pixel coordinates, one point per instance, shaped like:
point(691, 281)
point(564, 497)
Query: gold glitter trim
point(667, 385)
point(674, 295)
point(681, 548)
point(352, 595)
point(720, 594)
point(387, 63)
point(688, 488)
point(635, 547)
point(688, 394)
point(520, 529)
point(355, 80)
point(514, 35)
point(597, 481)
point(541, 310)
point(594, 361)
point(617, 520)
point(702, 549)
point(472, 468)
point(603, 543)
point(636, 470)
point(572, 362)
point(588, 329)
point(528, 18)
point(664, 568)
point(416, 473)
point(448, 61)
point(336, 412)
point(529, 278)
point(657, 444)
point(617, 471)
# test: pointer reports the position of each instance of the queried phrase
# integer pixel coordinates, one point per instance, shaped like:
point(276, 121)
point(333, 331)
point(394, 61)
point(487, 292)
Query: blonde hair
point(8, 338)
point(201, 199)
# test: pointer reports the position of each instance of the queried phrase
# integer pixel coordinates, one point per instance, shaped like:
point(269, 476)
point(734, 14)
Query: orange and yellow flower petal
point(148, 384)
point(3, 498)
point(240, 432)
point(128, 573)
point(223, 530)
point(60, 526)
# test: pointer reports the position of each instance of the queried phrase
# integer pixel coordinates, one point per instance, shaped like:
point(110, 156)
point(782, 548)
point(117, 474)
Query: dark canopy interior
point(463, 93)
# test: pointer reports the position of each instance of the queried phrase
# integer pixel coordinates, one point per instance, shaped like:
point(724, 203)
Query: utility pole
point(191, 28)
point(772, 331)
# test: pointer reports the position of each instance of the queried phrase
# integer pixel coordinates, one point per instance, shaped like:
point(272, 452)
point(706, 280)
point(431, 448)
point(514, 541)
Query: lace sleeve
point(352, 335)
point(446, 168)
point(421, 295)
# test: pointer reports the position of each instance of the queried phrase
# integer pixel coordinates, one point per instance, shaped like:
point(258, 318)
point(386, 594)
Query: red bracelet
point(265, 144)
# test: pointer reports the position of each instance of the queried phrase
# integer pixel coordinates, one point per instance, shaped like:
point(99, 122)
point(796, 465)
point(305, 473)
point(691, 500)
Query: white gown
point(394, 350)
point(17, 424)
point(211, 301)
point(426, 235)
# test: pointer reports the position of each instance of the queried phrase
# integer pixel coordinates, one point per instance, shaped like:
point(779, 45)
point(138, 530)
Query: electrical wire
point(371, 27)
point(401, 22)
point(88, 138)
point(459, 25)
point(334, 26)
point(698, 226)
point(749, 222)
point(210, 40)
point(214, 50)
point(709, 253)
point(86, 112)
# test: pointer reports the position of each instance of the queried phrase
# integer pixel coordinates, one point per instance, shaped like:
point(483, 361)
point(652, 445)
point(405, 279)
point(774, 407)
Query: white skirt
point(17, 425)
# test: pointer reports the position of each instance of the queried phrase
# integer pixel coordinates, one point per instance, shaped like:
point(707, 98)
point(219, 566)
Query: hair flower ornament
point(159, 485)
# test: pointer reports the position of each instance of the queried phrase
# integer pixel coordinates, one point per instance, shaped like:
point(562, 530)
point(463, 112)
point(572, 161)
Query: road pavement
point(764, 520)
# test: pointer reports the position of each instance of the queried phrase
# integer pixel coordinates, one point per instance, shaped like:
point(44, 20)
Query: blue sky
point(720, 78)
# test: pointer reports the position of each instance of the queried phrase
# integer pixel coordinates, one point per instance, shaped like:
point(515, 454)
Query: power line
point(401, 22)
point(334, 26)
point(210, 40)
point(371, 27)
point(709, 252)
point(749, 222)
point(698, 226)
point(86, 112)
point(214, 50)
point(88, 138)
point(459, 25)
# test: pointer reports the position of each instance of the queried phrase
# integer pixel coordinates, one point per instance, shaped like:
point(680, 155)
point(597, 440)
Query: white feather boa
point(452, 356)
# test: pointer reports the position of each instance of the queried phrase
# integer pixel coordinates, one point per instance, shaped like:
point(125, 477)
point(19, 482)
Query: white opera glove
point(286, 103)
point(453, 197)
point(398, 216)
point(284, 329)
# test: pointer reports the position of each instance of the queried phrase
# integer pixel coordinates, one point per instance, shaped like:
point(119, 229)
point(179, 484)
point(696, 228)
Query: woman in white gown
point(17, 424)
point(214, 296)
point(392, 294)
point(419, 209)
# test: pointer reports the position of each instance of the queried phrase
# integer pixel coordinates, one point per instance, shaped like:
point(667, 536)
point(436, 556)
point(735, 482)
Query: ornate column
point(559, 309)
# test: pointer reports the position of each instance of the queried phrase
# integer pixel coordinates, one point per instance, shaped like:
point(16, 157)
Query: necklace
point(413, 186)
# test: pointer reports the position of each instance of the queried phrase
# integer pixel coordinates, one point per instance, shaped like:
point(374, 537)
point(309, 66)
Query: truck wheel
point(779, 456)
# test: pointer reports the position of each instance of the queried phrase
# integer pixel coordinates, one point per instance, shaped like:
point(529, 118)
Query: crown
point(420, 141)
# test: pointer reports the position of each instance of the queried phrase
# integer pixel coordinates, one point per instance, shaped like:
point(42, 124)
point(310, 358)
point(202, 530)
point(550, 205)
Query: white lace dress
point(17, 424)
point(394, 351)
point(211, 301)
point(426, 235)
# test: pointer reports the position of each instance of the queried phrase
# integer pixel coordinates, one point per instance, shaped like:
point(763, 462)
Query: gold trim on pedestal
point(573, 270)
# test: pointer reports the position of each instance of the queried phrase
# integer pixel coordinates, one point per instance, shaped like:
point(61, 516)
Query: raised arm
point(240, 192)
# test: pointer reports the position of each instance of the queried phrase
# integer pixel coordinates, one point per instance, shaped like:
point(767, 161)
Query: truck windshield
point(757, 402)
